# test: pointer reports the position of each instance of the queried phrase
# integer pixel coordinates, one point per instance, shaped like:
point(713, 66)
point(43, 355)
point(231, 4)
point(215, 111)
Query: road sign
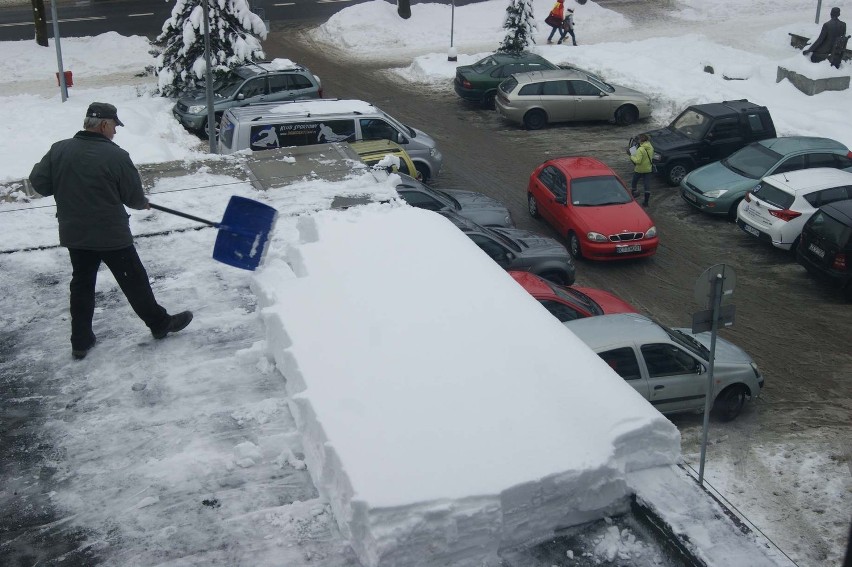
point(703, 320)
point(705, 282)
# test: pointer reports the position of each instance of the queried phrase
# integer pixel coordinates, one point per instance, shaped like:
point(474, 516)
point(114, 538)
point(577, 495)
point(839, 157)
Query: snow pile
point(524, 444)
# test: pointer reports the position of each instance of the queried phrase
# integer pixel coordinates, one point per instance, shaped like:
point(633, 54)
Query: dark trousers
point(131, 276)
point(553, 32)
point(564, 33)
point(645, 177)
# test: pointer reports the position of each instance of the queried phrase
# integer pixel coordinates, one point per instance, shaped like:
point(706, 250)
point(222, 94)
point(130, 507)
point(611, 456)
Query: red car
point(569, 303)
point(586, 201)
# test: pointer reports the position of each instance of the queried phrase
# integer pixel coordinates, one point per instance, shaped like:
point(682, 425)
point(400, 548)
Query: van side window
point(378, 129)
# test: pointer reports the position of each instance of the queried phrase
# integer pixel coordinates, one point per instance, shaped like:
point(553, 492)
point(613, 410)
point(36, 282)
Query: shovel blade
point(243, 233)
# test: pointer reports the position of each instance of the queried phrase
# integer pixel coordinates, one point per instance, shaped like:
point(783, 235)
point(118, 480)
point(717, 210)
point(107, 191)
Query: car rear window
point(826, 226)
point(508, 85)
point(775, 196)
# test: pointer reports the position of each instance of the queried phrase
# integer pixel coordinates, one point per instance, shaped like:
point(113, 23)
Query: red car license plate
point(630, 248)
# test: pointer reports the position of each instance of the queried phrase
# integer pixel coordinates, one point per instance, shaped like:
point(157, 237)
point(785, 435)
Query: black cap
point(104, 110)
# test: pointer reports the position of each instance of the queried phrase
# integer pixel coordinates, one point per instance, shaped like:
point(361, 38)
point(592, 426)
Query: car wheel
point(676, 172)
point(626, 115)
point(730, 401)
point(559, 278)
point(535, 119)
point(488, 99)
point(732, 212)
point(423, 170)
point(532, 206)
point(574, 246)
point(206, 131)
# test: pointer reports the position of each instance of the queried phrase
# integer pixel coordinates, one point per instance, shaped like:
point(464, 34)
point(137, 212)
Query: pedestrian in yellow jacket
point(641, 157)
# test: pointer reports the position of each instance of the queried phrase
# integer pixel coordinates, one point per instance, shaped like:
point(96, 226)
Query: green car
point(478, 82)
point(717, 188)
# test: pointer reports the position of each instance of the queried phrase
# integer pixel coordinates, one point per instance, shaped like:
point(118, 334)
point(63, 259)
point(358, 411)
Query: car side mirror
point(510, 256)
point(562, 200)
point(241, 96)
point(602, 94)
point(700, 369)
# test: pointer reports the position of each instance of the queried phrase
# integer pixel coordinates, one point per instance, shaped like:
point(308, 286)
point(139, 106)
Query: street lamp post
point(208, 79)
point(452, 54)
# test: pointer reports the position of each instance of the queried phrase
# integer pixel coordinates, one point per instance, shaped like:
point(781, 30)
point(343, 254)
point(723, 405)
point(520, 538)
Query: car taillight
point(748, 198)
point(839, 261)
point(466, 84)
point(785, 215)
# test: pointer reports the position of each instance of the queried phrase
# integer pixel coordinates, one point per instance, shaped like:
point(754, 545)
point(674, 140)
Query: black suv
point(825, 247)
point(704, 133)
point(280, 79)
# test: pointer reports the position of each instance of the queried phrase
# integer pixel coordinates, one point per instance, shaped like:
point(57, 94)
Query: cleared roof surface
point(606, 330)
point(807, 180)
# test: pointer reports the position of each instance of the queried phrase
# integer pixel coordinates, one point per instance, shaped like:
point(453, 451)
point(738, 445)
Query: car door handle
point(659, 387)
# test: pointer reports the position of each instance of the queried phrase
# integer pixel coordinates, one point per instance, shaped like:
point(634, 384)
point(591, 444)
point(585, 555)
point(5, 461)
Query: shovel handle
point(184, 215)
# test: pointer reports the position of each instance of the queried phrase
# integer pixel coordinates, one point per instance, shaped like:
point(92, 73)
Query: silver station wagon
point(668, 367)
point(538, 98)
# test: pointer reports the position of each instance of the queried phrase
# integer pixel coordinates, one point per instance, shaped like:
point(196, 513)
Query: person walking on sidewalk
point(568, 27)
point(641, 157)
point(92, 179)
point(554, 19)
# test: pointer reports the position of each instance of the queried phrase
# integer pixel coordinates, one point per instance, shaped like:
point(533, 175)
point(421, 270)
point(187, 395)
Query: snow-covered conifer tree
point(519, 22)
point(234, 32)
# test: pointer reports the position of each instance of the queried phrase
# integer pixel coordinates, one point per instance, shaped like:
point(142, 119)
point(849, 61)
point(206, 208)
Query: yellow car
point(384, 153)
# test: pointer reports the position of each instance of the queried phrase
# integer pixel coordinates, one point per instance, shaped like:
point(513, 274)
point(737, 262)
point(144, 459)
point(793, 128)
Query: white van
point(305, 122)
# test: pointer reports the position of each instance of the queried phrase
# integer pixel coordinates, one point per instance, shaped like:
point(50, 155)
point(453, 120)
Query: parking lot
point(796, 328)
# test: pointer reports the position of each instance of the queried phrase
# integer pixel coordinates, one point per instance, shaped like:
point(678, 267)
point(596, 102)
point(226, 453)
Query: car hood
point(726, 351)
point(195, 96)
point(534, 244)
point(614, 219)
point(716, 176)
point(627, 92)
point(473, 200)
point(666, 140)
point(607, 301)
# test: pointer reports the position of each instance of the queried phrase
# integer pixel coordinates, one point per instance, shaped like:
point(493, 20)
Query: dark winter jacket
point(92, 179)
point(831, 30)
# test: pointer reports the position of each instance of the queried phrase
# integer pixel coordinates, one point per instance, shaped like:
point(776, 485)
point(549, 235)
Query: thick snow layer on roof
point(535, 432)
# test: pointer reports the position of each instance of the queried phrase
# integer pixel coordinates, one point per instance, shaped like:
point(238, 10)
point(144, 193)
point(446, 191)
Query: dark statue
point(831, 42)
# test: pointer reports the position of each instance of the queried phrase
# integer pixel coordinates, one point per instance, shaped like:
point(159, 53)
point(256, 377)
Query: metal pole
point(452, 54)
point(63, 88)
point(452, 20)
point(819, 6)
point(208, 79)
point(717, 303)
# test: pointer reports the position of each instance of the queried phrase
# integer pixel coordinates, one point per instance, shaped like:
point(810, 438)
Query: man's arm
point(130, 184)
point(41, 177)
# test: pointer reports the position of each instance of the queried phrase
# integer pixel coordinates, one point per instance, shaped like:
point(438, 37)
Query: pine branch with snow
point(520, 25)
point(235, 34)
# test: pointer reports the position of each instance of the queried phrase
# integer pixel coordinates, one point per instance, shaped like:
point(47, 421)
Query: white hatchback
point(777, 208)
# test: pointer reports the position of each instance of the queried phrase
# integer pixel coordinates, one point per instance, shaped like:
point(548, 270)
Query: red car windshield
point(598, 192)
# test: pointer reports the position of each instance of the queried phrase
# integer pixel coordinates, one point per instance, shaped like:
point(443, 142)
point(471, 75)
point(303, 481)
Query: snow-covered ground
point(144, 428)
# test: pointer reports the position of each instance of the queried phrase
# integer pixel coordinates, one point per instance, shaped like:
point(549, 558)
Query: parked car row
point(585, 201)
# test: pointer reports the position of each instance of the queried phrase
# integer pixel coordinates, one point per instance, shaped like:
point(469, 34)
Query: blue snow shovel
point(243, 232)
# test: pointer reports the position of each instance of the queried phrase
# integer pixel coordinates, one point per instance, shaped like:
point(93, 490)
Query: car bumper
point(705, 204)
point(471, 95)
point(842, 279)
point(510, 113)
point(191, 121)
point(608, 251)
point(761, 233)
